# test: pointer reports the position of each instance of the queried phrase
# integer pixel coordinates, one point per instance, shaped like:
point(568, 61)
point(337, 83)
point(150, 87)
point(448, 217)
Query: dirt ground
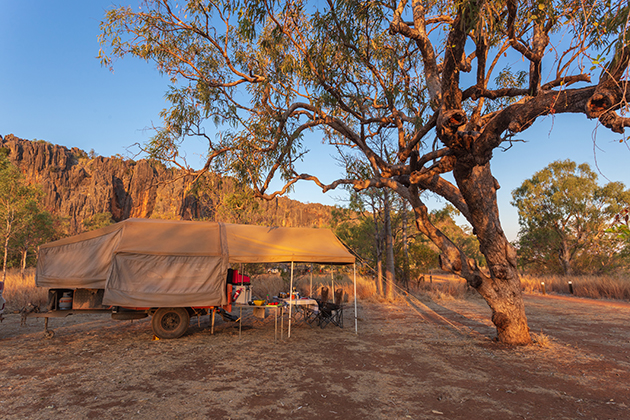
point(415, 359)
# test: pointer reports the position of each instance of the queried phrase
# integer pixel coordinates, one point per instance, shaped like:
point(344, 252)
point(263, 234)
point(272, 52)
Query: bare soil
point(415, 359)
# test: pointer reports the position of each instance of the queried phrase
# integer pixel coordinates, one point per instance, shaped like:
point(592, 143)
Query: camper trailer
point(169, 270)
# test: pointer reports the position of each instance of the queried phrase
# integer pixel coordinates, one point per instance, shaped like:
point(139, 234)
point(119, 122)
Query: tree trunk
point(564, 256)
point(6, 247)
point(502, 290)
point(405, 279)
point(24, 255)
point(390, 266)
point(4, 262)
point(379, 254)
point(380, 291)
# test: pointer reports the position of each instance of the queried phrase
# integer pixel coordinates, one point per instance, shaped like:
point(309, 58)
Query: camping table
point(301, 305)
point(276, 307)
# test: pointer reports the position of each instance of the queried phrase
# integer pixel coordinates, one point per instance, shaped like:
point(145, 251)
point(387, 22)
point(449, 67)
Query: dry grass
point(542, 340)
point(271, 285)
point(437, 287)
point(443, 287)
point(447, 290)
point(18, 291)
point(595, 287)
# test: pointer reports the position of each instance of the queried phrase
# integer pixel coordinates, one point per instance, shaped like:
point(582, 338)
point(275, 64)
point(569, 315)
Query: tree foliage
point(434, 79)
point(24, 223)
point(564, 216)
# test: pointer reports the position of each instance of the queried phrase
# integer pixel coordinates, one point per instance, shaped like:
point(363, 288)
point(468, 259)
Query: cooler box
point(235, 278)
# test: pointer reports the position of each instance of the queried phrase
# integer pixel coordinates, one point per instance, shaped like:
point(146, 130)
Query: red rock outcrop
point(77, 187)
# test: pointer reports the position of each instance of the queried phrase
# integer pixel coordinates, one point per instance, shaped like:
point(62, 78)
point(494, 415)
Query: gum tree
point(434, 78)
point(564, 214)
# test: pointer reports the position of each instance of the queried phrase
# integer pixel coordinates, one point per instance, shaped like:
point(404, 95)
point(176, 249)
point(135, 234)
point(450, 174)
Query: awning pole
point(332, 282)
point(311, 291)
point(290, 300)
point(356, 327)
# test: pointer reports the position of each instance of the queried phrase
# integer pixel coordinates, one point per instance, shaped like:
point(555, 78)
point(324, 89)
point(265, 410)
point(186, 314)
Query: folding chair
point(331, 312)
point(313, 316)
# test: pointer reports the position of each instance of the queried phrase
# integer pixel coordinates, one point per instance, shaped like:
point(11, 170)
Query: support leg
point(48, 333)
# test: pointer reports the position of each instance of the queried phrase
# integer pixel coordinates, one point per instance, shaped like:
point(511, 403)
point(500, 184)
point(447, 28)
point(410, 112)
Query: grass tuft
point(542, 340)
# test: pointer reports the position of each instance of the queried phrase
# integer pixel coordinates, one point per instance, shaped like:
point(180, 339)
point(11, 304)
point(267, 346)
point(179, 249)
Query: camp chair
point(331, 312)
point(312, 316)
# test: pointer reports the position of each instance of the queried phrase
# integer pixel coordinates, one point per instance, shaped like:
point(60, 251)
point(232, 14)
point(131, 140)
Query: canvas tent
point(160, 263)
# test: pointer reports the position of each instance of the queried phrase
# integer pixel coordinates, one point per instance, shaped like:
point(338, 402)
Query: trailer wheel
point(170, 322)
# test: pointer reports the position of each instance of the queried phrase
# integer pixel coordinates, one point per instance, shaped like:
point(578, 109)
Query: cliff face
point(77, 187)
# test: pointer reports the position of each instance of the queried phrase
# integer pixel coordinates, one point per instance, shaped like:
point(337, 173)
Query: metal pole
point(282, 323)
point(311, 291)
point(290, 300)
point(332, 282)
point(356, 327)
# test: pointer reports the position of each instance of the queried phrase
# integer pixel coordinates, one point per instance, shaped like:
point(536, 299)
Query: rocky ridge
point(77, 187)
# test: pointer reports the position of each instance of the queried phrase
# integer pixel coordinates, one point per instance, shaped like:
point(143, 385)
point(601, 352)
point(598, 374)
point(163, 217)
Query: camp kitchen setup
point(172, 270)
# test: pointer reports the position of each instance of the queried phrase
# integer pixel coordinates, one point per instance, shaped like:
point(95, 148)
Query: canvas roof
point(258, 244)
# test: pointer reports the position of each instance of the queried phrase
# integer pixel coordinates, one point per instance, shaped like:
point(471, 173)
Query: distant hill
point(79, 187)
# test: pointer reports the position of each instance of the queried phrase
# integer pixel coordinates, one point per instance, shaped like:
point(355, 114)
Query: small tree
point(37, 227)
point(564, 214)
point(17, 199)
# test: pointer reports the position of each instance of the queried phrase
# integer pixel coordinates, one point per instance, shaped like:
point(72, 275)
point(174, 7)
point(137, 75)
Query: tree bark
point(24, 255)
point(6, 250)
point(502, 289)
point(405, 279)
point(390, 266)
point(565, 257)
point(379, 254)
point(4, 262)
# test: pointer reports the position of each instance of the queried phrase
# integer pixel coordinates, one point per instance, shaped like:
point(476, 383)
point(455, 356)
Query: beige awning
point(257, 244)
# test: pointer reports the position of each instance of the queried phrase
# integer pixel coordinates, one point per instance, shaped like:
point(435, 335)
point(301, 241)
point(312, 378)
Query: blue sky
point(53, 88)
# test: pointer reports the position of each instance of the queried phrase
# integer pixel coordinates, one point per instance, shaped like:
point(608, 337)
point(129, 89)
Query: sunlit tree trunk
point(6, 250)
point(405, 279)
point(390, 267)
point(502, 289)
point(378, 252)
point(24, 255)
point(565, 257)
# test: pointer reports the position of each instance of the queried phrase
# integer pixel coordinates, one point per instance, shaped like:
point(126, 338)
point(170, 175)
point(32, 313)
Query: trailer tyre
point(170, 323)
